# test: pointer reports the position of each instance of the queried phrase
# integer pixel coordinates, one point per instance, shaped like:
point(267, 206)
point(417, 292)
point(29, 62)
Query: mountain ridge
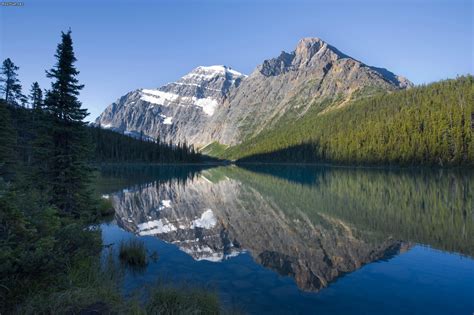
point(219, 104)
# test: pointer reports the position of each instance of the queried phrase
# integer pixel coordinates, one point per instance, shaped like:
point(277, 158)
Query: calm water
point(303, 239)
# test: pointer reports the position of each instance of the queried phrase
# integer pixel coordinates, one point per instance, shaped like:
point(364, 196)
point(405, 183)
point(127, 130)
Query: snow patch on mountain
point(168, 121)
point(208, 105)
point(158, 97)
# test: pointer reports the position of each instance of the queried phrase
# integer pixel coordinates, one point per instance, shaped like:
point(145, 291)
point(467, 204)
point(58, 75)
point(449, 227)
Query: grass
point(91, 287)
point(133, 252)
point(181, 300)
point(85, 285)
point(94, 288)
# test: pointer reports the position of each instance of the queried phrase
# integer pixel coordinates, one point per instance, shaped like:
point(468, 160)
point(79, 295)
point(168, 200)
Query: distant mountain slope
point(431, 124)
point(218, 104)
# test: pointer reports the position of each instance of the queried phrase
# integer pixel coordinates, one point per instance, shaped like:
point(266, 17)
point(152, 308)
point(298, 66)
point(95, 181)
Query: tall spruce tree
point(68, 170)
point(36, 96)
point(11, 87)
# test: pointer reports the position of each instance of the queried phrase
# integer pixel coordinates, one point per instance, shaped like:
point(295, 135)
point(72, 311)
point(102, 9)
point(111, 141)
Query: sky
point(124, 45)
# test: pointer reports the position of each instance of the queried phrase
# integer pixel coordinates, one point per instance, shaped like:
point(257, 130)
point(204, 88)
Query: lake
point(288, 239)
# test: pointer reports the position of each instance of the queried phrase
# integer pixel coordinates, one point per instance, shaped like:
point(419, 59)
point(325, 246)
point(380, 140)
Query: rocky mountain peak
point(207, 73)
point(207, 81)
point(309, 52)
point(308, 47)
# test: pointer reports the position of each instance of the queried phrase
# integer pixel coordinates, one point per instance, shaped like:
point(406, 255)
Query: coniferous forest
point(47, 158)
point(110, 146)
point(427, 125)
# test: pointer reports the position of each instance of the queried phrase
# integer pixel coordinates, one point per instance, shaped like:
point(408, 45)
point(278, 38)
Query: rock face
point(178, 111)
point(217, 103)
point(217, 220)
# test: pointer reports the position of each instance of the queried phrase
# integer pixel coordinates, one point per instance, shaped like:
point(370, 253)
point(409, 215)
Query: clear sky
point(124, 45)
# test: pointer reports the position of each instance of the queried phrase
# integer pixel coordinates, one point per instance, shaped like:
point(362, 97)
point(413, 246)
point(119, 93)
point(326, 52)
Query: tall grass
point(87, 284)
point(92, 287)
point(181, 300)
point(133, 252)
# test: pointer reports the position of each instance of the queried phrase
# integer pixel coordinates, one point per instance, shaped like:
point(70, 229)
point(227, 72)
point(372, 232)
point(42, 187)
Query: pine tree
point(36, 96)
point(11, 86)
point(68, 170)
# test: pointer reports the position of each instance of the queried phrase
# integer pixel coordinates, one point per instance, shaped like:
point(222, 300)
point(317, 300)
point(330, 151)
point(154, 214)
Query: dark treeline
point(110, 146)
point(105, 146)
point(427, 125)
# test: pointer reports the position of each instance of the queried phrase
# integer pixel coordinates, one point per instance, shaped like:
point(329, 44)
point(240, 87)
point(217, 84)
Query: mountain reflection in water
point(311, 223)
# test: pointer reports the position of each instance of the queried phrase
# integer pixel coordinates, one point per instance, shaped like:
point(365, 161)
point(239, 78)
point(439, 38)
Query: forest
point(426, 125)
point(49, 210)
point(110, 146)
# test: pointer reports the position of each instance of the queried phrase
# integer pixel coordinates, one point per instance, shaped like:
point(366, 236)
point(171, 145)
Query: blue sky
point(124, 45)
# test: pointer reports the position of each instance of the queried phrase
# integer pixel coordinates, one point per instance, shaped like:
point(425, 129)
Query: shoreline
point(320, 164)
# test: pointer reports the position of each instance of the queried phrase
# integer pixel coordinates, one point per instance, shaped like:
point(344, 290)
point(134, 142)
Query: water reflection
point(311, 223)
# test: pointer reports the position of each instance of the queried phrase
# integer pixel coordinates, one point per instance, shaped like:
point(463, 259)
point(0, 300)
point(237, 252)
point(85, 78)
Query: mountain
point(177, 111)
point(286, 87)
point(219, 104)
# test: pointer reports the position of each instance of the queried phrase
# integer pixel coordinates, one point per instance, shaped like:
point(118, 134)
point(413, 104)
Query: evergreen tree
point(11, 86)
point(68, 170)
point(36, 96)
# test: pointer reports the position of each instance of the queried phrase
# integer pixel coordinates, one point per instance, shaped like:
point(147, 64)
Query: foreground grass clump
point(133, 252)
point(93, 287)
point(86, 286)
point(181, 300)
